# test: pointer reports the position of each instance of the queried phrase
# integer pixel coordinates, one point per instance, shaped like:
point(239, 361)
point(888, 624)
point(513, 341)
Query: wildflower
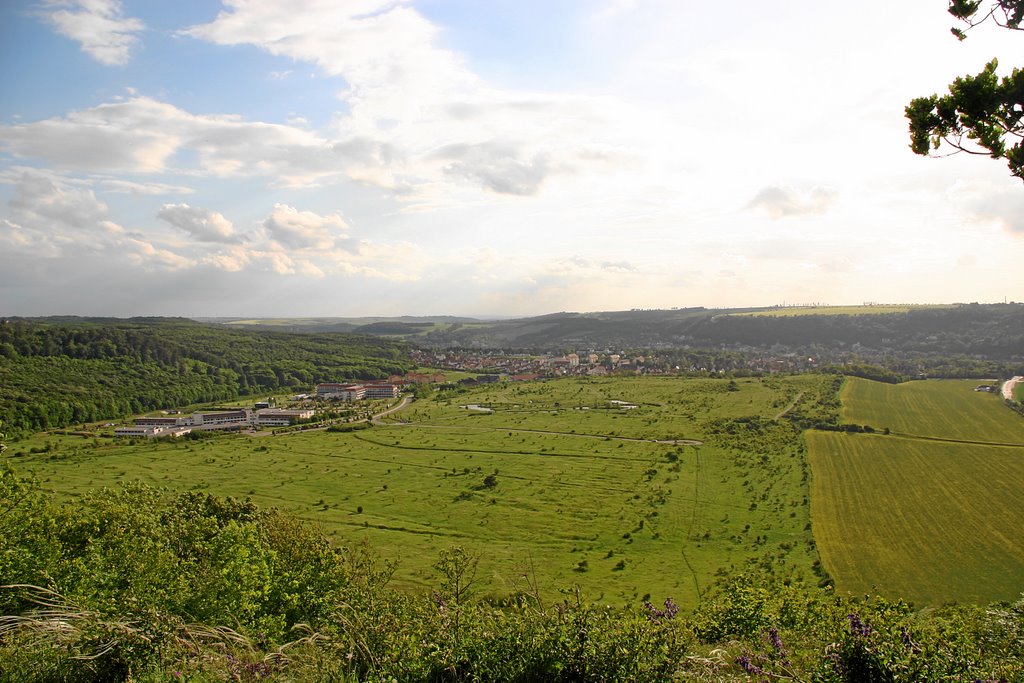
point(747, 664)
point(656, 615)
point(776, 642)
point(857, 627)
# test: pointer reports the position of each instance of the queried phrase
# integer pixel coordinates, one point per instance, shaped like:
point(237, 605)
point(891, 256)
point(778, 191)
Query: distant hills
point(991, 331)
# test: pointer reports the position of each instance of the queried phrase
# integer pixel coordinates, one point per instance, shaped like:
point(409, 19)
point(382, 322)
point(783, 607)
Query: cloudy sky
point(424, 157)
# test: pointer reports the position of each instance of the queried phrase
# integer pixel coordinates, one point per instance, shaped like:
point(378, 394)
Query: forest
point(59, 372)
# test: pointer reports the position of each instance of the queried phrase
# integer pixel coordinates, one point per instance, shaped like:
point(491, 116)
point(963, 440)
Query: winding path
point(1009, 385)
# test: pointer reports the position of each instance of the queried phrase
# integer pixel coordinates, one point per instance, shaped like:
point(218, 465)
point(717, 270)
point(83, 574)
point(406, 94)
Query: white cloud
point(131, 187)
point(382, 48)
point(778, 201)
point(202, 224)
point(42, 203)
point(146, 254)
point(52, 218)
point(141, 135)
point(999, 204)
point(98, 26)
point(133, 136)
point(495, 167)
point(304, 229)
point(417, 122)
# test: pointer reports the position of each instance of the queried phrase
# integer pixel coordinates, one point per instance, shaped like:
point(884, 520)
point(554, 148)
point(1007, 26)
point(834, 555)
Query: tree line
point(55, 373)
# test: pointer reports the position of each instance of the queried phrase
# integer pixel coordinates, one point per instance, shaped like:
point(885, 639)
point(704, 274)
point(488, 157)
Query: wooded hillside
point(57, 372)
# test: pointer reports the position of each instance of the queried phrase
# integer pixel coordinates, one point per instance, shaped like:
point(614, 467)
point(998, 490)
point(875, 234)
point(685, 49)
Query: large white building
point(356, 392)
point(221, 419)
point(275, 417)
point(381, 390)
point(344, 392)
point(240, 417)
point(150, 431)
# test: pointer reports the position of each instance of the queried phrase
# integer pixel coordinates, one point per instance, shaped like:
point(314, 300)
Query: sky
point(263, 158)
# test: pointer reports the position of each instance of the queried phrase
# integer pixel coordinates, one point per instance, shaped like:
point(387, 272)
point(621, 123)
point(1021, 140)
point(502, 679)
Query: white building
point(151, 431)
point(344, 392)
point(274, 417)
point(242, 417)
point(381, 390)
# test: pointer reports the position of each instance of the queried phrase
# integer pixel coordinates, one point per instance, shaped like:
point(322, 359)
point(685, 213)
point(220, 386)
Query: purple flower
point(656, 615)
point(748, 665)
point(857, 627)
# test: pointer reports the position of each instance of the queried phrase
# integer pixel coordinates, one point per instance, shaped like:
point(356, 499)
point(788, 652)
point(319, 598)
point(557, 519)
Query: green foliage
point(353, 427)
point(1006, 13)
point(148, 586)
point(982, 114)
point(54, 374)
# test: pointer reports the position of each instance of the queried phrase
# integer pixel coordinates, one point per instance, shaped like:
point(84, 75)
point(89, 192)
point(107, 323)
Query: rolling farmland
point(876, 309)
point(932, 512)
point(938, 409)
point(585, 491)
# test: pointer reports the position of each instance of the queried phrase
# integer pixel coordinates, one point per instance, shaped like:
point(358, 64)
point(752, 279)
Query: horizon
point(373, 158)
point(489, 317)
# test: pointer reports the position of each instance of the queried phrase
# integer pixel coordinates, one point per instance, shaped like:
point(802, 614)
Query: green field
point(944, 409)
point(932, 512)
point(843, 310)
point(698, 479)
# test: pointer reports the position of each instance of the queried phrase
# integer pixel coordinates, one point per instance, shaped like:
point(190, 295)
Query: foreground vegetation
point(144, 585)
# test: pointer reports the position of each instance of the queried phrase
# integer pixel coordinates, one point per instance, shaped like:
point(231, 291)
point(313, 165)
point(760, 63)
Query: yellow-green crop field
point(933, 512)
point(938, 409)
point(585, 492)
point(843, 310)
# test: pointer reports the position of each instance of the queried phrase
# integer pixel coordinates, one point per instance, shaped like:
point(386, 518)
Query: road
point(406, 400)
point(1008, 387)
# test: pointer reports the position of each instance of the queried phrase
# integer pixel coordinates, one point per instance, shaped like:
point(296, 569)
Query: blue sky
point(388, 157)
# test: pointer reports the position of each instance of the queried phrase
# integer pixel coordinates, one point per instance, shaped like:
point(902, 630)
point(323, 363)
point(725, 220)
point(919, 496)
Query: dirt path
point(1009, 385)
point(406, 400)
point(790, 407)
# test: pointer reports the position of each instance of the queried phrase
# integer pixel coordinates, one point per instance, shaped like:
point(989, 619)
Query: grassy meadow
point(557, 485)
point(931, 512)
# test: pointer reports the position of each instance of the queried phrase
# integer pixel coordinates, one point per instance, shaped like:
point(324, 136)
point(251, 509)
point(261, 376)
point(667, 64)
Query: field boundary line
point(942, 439)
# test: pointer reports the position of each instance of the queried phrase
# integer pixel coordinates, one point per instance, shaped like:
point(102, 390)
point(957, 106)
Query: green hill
point(55, 373)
